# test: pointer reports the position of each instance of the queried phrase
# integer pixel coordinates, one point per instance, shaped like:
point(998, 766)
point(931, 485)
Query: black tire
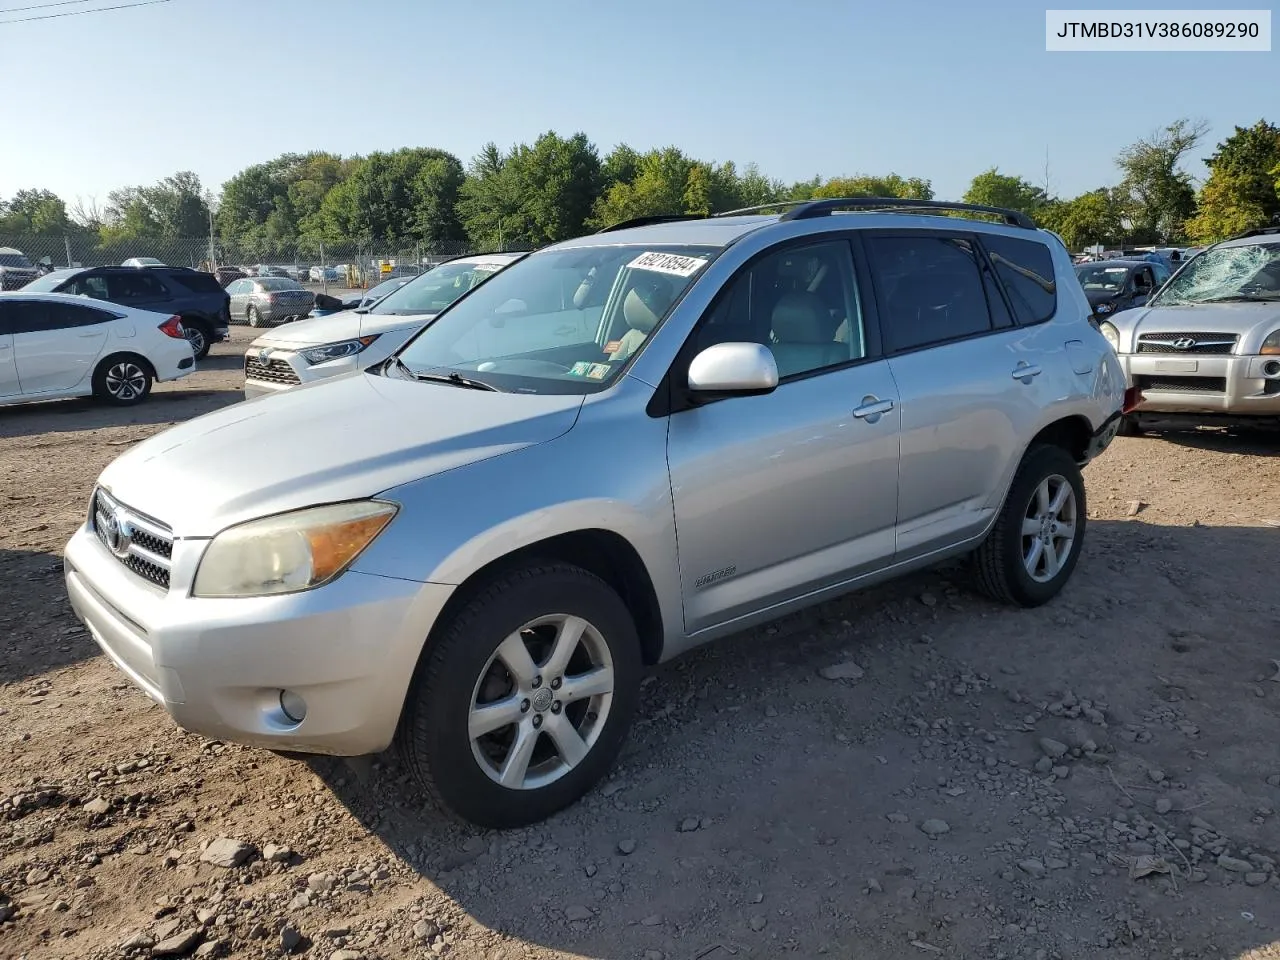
point(434, 736)
point(123, 379)
point(1130, 426)
point(252, 317)
point(199, 336)
point(1001, 563)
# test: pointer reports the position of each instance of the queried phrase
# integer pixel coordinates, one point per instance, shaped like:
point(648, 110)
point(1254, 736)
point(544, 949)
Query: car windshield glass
point(433, 291)
point(49, 281)
point(1099, 278)
point(279, 283)
point(1246, 272)
point(560, 321)
point(13, 260)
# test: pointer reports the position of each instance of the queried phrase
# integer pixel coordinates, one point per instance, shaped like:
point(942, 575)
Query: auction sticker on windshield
point(671, 263)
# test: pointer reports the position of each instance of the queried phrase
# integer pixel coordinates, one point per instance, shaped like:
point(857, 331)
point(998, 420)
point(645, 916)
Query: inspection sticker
point(671, 263)
point(598, 371)
point(580, 368)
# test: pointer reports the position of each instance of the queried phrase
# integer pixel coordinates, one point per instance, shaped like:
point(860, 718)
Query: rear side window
point(1025, 268)
point(64, 315)
point(135, 285)
point(197, 282)
point(930, 289)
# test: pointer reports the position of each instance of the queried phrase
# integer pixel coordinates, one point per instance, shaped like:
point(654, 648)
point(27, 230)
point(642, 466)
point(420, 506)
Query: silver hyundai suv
point(619, 448)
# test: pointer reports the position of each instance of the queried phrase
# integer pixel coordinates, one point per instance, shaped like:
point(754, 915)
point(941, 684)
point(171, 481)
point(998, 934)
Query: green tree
point(891, 185)
point(557, 181)
point(34, 212)
point(1093, 217)
point(1158, 195)
point(755, 189)
point(1241, 191)
point(621, 166)
point(399, 197)
point(489, 200)
point(995, 189)
point(175, 207)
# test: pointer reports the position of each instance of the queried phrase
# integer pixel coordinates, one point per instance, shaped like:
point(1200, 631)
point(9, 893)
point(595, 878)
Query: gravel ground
point(1095, 778)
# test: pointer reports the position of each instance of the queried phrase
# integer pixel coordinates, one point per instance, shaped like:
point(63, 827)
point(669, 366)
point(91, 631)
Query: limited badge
point(598, 371)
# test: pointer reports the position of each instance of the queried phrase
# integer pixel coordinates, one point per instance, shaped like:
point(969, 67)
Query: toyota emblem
point(1184, 343)
point(118, 534)
point(264, 355)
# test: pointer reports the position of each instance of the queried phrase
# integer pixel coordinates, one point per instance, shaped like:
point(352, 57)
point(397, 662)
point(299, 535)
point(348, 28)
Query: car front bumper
point(1231, 386)
point(218, 667)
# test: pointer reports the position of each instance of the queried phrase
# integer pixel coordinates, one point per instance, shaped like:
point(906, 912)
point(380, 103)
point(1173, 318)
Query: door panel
point(9, 386)
point(57, 345)
point(780, 495)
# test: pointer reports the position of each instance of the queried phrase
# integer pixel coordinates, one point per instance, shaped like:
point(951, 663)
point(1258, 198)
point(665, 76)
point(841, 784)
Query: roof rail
point(822, 208)
point(761, 206)
point(647, 221)
point(1256, 232)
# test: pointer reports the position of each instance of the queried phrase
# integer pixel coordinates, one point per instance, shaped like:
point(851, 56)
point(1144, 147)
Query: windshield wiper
point(1242, 298)
point(450, 379)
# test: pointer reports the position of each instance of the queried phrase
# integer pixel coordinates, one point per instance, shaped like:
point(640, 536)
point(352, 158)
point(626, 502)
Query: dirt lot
point(1096, 778)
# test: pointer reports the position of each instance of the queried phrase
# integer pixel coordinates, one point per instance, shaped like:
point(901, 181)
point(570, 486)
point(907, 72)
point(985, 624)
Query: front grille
point(1183, 384)
point(1193, 343)
point(272, 371)
point(142, 545)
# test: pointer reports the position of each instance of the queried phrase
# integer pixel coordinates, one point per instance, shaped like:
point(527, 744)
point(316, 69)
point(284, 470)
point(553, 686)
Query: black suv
point(198, 298)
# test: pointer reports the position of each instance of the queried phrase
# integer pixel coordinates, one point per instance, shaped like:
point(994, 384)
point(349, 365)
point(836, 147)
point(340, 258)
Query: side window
point(1162, 273)
point(930, 289)
point(135, 286)
point(26, 316)
point(802, 303)
point(1025, 268)
point(64, 315)
point(88, 285)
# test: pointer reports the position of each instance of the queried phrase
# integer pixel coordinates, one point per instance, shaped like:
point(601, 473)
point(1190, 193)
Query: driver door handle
point(1025, 371)
point(872, 409)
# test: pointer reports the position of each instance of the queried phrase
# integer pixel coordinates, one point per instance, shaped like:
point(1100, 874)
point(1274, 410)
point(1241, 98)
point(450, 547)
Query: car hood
point(333, 327)
point(344, 438)
point(1251, 321)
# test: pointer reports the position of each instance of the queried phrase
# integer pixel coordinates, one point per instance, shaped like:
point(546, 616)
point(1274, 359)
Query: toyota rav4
point(618, 448)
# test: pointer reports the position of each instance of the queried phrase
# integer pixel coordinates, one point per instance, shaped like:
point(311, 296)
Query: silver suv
point(621, 447)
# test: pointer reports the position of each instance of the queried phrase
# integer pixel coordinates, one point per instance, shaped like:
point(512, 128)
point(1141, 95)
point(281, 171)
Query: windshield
point(1247, 272)
point(561, 321)
point(278, 283)
point(436, 289)
point(1101, 279)
point(49, 281)
point(13, 260)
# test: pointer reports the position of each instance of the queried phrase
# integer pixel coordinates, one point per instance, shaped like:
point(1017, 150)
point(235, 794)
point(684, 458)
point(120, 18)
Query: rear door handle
point(1025, 371)
point(872, 409)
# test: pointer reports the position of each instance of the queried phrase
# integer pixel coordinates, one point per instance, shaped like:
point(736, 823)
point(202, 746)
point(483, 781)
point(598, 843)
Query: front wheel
point(523, 698)
point(253, 317)
point(1030, 553)
point(122, 380)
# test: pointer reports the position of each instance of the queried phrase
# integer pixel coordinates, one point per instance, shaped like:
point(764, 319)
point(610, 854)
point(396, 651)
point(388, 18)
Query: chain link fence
point(349, 264)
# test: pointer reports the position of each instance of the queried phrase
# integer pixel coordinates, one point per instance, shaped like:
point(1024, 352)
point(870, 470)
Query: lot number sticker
point(671, 263)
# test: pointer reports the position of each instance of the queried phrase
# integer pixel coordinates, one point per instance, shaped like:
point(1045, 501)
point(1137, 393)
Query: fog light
point(294, 707)
point(1271, 369)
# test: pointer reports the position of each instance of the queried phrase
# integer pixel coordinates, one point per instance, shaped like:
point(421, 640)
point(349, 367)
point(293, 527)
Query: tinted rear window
point(1025, 267)
point(198, 282)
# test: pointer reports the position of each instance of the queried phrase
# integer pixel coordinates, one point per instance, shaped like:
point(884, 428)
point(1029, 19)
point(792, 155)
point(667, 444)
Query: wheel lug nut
point(555, 707)
point(524, 706)
point(537, 720)
point(537, 682)
point(555, 684)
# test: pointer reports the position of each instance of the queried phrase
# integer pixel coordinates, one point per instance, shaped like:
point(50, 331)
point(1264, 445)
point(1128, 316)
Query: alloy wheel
point(125, 380)
point(1049, 528)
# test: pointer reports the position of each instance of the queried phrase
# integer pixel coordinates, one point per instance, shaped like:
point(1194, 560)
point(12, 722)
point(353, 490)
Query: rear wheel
point(123, 380)
point(198, 336)
point(1030, 553)
point(253, 317)
point(523, 698)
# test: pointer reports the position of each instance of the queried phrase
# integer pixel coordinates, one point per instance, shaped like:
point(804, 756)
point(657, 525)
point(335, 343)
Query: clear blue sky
point(937, 89)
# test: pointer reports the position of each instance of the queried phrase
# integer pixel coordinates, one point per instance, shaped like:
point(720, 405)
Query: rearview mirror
point(733, 370)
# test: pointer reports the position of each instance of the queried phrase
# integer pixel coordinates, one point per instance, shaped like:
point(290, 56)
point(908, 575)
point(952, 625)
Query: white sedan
point(321, 347)
point(56, 345)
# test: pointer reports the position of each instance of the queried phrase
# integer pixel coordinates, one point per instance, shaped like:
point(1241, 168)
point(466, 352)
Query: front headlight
point(289, 552)
point(1271, 345)
point(1112, 335)
point(336, 351)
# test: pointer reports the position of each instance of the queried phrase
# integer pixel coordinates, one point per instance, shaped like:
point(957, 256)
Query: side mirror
point(733, 370)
